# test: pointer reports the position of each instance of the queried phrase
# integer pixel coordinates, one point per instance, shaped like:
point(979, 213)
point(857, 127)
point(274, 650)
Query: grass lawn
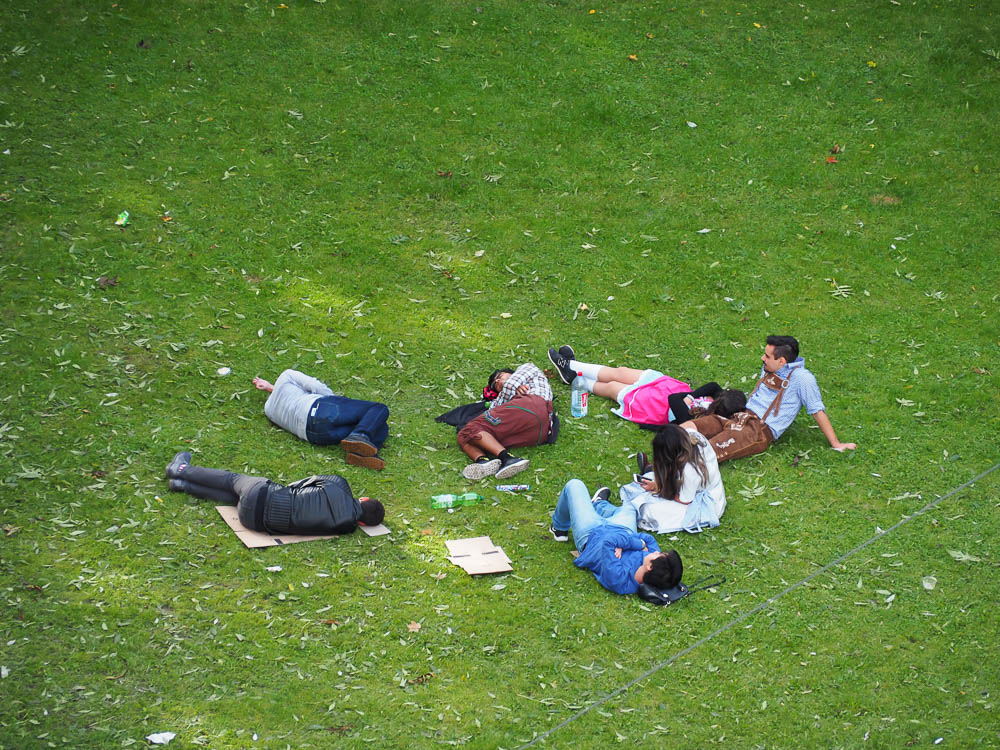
point(398, 198)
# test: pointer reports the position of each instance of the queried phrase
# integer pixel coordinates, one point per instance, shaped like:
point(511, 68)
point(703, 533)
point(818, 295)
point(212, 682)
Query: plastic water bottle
point(455, 501)
point(578, 406)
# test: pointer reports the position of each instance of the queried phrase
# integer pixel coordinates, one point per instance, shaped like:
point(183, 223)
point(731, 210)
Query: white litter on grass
point(4, 673)
point(160, 738)
point(692, 124)
point(704, 231)
point(273, 568)
point(223, 371)
point(929, 582)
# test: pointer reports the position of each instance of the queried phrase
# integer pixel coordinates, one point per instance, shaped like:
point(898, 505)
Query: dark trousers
point(225, 487)
point(333, 418)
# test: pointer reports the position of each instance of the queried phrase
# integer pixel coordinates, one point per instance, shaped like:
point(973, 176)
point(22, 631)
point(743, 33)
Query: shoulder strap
point(775, 383)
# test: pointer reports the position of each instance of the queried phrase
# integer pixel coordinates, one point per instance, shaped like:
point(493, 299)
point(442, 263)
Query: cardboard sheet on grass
point(478, 555)
point(255, 539)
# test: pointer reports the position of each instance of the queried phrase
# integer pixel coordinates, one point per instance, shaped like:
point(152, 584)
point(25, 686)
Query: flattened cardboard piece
point(257, 539)
point(478, 555)
point(380, 530)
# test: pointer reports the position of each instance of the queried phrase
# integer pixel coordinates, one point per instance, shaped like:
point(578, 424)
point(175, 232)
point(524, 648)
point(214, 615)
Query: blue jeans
point(335, 417)
point(575, 511)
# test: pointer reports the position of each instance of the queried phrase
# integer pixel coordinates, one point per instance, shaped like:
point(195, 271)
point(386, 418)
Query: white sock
point(589, 371)
point(589, 383)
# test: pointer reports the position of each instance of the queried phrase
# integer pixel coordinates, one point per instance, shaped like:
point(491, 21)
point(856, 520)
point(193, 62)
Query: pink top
point(647, 404)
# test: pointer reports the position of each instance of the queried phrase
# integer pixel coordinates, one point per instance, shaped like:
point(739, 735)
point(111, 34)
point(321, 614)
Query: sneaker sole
point(359, 447)
point(368, 462)
point(559, 537)
point(475, 472)
point(509, 471)
point(559, 370)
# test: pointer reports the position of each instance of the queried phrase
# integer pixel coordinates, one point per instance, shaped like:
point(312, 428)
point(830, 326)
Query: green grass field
point(398, 198)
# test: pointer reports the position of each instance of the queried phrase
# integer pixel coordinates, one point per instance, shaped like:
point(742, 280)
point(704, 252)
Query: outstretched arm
point(824, 424)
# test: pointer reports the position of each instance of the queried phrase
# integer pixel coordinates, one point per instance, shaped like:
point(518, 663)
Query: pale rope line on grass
point(755, 610)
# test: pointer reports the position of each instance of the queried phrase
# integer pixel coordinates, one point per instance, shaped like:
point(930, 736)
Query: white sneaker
point(512, 466)
point(481, 469)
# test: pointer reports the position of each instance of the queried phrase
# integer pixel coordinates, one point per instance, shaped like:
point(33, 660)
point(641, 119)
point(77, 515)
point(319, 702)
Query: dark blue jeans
point(335, 417)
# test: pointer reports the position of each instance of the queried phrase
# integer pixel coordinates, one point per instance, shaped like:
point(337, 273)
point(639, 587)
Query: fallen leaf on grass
point(104, 282)
point(633, 58)
point(836, 149)
point(963, 556)
point(831, 160)
point(413, 627)
point(444, 173)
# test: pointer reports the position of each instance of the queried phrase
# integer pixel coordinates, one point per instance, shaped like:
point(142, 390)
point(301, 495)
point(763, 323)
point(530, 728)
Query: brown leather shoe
point(358, 444)
point(375, 462)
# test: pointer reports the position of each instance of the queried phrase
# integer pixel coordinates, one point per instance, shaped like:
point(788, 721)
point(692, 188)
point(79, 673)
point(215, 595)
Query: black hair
point(728, 403)
point(372, 512)
point(665, 572)
point(673, 449)
point(491, 382)
point(784, 346)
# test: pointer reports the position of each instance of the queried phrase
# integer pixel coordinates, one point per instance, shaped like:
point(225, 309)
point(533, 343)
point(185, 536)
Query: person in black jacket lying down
point(320, 504)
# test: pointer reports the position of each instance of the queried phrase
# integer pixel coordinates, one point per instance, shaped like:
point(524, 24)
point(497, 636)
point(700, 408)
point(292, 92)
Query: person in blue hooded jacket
point(619, 556)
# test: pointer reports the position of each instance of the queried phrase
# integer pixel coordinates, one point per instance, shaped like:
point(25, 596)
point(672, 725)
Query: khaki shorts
point(743, 434)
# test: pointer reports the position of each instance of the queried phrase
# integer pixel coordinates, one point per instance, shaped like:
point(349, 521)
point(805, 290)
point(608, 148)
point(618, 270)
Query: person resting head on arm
point(619, 556)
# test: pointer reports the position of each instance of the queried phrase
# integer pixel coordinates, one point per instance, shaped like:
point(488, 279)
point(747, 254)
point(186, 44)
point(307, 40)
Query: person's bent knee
point(467, 438)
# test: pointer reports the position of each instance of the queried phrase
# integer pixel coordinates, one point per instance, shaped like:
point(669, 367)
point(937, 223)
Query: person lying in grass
point(647, 397)
point(520, 414)
point(682, 489)
point(315, 505)
point(308, 409)
point(784, 387)
point(619, 556)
